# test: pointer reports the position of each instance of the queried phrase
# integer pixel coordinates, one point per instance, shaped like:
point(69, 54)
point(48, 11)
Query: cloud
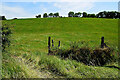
point(64, 8)
point(12, 12)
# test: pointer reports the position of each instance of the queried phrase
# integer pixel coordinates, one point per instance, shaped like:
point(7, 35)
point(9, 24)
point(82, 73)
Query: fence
point(49, 44)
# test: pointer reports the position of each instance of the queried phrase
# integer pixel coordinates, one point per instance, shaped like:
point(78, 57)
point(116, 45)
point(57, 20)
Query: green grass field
point(30, 37)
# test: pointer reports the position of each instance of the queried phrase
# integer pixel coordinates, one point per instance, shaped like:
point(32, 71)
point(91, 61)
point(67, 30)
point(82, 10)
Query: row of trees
point(45, 15)
point(79, 14)
point(104, 14)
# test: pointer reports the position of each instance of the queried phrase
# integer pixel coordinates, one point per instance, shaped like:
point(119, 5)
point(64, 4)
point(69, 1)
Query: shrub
point(2, 18)
point(96, 57)
point(102, 56)
point(6, 31)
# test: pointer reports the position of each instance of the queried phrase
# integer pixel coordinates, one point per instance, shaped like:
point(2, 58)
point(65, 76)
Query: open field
point(33, 33)
point(30, 37)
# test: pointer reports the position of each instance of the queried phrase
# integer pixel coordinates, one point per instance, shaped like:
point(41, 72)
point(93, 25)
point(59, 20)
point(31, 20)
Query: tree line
point(103, 14)
point(45, 15)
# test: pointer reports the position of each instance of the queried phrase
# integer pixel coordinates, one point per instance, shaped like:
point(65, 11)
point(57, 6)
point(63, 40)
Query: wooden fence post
point(59, 44)
point(102, 42)
point(49, 45)
point(52, 43)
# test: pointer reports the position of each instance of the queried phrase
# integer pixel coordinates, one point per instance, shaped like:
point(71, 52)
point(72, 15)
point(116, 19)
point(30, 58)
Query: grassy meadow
point(29, 41)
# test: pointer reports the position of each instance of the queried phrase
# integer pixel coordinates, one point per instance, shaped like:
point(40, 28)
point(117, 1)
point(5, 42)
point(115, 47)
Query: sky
point(31, 9)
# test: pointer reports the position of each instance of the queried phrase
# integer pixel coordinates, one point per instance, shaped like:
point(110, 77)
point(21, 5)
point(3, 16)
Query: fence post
point(102, 42)
point(52, 43)
point(49, 45)
point(59, 44)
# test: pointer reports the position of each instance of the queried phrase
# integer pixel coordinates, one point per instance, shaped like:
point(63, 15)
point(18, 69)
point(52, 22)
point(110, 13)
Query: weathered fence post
point(102, 42)
point(49, 45)
point(52, 43)
point(59, 44)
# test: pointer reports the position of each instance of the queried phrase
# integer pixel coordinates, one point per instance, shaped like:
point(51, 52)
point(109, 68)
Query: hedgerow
point(6, 32)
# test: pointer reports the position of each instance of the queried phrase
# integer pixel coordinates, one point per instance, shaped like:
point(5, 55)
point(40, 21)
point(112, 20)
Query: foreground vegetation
point(29, 42)
point(10, 68)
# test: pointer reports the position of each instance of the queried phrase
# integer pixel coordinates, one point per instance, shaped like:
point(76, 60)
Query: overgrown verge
point(6, 32)
point(10, 68)
point(96, 57)
point(68, 68)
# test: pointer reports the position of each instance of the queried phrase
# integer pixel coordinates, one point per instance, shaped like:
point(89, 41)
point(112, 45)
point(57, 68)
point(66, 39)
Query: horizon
point(30, 9)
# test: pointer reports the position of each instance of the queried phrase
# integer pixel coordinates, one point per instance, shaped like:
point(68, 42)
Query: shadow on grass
point(113, 67)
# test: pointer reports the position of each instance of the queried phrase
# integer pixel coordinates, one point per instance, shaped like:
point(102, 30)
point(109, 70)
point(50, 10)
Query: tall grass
point(70, 68)
point(10, 68)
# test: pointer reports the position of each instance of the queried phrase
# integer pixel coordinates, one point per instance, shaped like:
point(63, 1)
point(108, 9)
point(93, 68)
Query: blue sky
point(31, 9)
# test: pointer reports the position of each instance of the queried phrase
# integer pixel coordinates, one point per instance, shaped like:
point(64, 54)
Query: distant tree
point(76, 15)
point(39, 16)
point(104, 14)
point(14, 18)
point(100, 15)
point(51, 15)
point(71, 14)
point(84, 14)
point(109, 14)
point(36, 16)
point(93, 15)
point(60, 16)
point(88, 15)
point(45, 15)
point(97, 16)
point(2, 18)
point(56, 14)
point(79, 14)
point(118, 15)
point(112, 13)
